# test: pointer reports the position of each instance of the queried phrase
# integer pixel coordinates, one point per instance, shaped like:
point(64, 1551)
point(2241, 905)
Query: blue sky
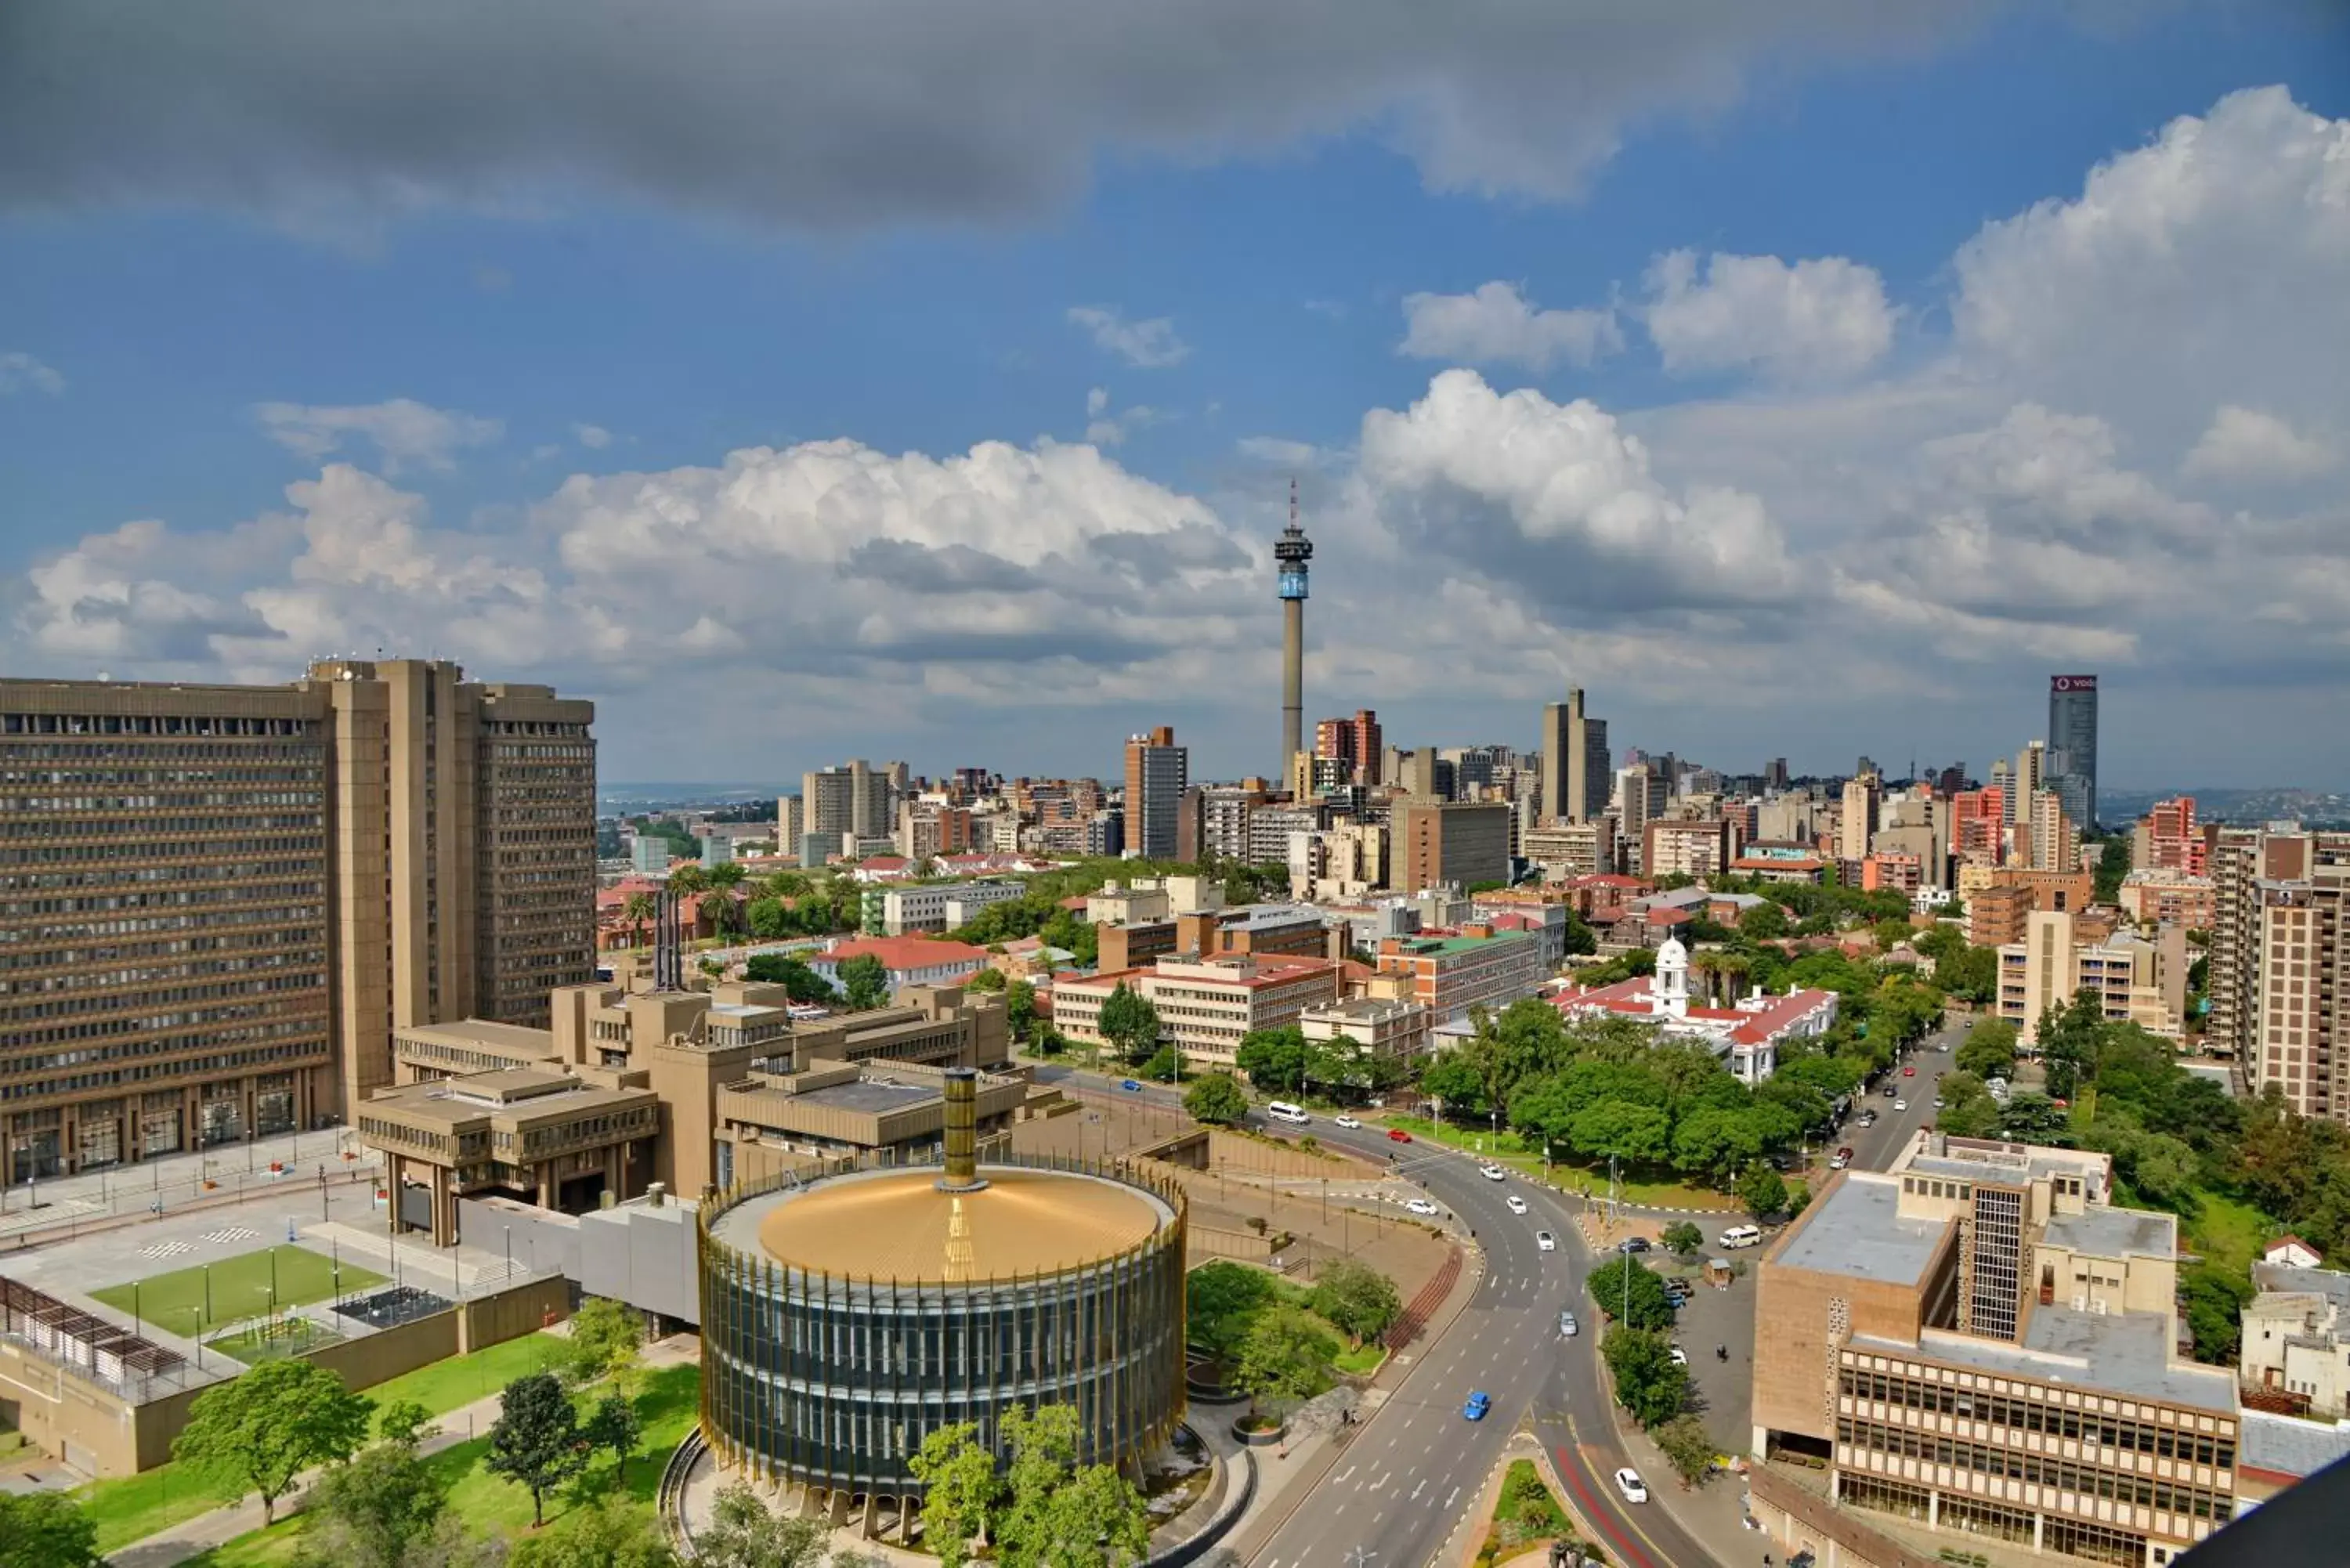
point(1904, 578)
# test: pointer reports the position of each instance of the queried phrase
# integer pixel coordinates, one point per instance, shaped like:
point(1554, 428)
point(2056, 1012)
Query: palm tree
point(725, 875)
point(637, 909)
point(1737, 967)
point(1707, 966)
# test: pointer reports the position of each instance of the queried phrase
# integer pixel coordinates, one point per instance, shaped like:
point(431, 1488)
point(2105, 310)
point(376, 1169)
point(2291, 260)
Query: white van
point(1283, 1111)
point(1740, 1236)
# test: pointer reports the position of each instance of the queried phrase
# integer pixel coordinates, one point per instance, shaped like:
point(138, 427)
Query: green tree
point(960, 1491)
point(605, 1336)
point(1766, 921)
point(378, 1512)
point(1165, 1066)
point(261, 1430)
point(1686, 1446)
point(1989, 1050)
point(1763, 1191)
point(2068, 1042)
point(1356, 1298)
point(614, 1425)
point(1631, 1293)
point(1221, 1300)
point(1062, 1515)
point(1019, 1008)
point(801, 983)
point(610, 1532)
point(405, 1422)
point(536, 1442)
point(987, 980)
point(1285, 1358)
point(742, 1531)
point(45, 1529)
point(1274, 1059)
point(1131, 1023)
point(637, 908)
point(1967, 1110)
point(2216, 1300)
point(1215, 1098)
point(1682, 1238)
point(1647, 1382)
point(1454, 1084)
point(863, 982)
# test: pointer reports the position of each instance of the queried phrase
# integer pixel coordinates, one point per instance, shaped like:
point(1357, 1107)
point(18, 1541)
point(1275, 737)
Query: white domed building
point(1744, 1037)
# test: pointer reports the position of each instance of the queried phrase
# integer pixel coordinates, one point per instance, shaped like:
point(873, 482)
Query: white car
point(1422, 1206)
point(1515, 1204)
point(1492, 1173)
point(1900, 1105)
point(1628, 1482)
point(1545, 1242)
point(1349, 1123)
point(1680, 1356)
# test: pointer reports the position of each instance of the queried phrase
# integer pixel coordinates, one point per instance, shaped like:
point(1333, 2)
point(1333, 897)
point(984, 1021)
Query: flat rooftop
point(2122, 1353)
point(514, 1091)
point(2115, 1233)
point(875, 1098)
point(2286, 1445)
point(1254, 916)
point(481, 1032)
point(2331, 1284)
point(897, 1225)
point(1857, 1230)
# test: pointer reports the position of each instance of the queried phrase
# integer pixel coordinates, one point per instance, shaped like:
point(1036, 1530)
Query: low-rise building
point(1205, 1005)
point(1899, 873)
point(1981, 1348)
point(1382, 1028)
point(1451, 971)
point(1569, 849)
point(1745, 1037)
point(2295, 1353)
point(2139, 982)
point(909, 961)
point(932, 906)
point(1700, 848)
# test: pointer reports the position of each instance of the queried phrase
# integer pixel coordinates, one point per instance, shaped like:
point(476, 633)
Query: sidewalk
point(193, 1537)
point(174, 1180)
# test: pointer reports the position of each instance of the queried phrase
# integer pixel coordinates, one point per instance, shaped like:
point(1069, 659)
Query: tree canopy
point(261, 1429)
point(1215, 1098)
point(536, 1443)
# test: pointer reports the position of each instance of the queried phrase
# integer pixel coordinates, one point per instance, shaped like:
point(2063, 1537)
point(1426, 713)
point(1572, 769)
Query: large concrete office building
point(1575, 777)
point(1158, 773)
point(1978, 1346)
point(2281, 963)
point(1450, 841)
point(218, 902)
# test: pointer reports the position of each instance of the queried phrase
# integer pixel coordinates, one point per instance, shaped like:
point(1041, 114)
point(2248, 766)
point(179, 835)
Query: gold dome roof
point(897, 1225)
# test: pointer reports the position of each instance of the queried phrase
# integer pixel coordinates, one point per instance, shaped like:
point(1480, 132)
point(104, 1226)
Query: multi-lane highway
point(1407, 1476)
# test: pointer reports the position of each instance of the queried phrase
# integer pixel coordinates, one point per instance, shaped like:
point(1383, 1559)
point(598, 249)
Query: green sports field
point(239, 1288)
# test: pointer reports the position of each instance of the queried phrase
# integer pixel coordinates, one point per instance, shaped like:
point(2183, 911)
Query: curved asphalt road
point(1408, 1475)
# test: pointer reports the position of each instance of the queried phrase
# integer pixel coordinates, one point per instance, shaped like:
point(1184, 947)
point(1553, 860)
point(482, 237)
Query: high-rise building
point(1857, 823)
point(216, 902)
point(2166, 839)
point(2072, 746)
point(1293, 553)
point(1158, 771)
point(790, 820)
point(1576, 775)
point(2030, 778)
point(1640, 799)
point(2280, 963)
point(1774, 774)
point(1355, 741)
point(2055, 838)
point(854, 800)
point(1450, 841)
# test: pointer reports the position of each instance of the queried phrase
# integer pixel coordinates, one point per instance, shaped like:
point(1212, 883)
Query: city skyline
point(1865, 428)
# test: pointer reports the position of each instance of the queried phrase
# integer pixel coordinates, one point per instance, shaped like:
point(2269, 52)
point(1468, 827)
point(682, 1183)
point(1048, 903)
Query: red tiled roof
point(1668, 916)
point(902, 953)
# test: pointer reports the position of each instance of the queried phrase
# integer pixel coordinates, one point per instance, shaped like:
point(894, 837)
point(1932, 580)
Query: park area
point(192, 1301)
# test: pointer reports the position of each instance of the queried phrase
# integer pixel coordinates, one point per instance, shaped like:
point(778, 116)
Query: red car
point(1908, 1072)
point(1397, 1135)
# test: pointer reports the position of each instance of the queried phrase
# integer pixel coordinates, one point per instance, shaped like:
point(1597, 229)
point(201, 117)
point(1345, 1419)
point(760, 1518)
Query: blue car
point(1130, 1085)
point(1477, 1404)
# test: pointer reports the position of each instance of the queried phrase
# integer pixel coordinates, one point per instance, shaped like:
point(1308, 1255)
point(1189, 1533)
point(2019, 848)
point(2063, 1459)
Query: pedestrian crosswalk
point(161, 1250)
point(228, 1234)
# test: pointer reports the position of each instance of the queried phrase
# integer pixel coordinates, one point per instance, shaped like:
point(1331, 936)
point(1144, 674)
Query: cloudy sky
point(802, 377)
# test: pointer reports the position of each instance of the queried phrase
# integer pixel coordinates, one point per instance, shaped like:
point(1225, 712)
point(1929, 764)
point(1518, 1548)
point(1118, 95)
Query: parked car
point(1397, 1135)
point(1890, 1091)
point(1568, 1326)
point(1544, 1241)
point(1422, 1206)
point(1900, 1105)
point(1628, 1482)
point(1476, 1406)
point(1680, 1356)
point(1845, 1153)
point(1839, 1161)
point(1908, 1072)
point(1517, 1205)
point(1349, 1123)
point(1633, 1244)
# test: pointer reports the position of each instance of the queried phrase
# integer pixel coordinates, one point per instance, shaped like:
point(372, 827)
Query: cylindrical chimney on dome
point(962, 1132)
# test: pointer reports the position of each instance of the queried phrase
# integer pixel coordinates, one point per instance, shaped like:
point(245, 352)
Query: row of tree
point(1043, 1509)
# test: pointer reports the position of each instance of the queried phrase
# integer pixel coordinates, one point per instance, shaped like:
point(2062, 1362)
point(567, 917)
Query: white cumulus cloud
point(1814, 320)
point(2247, 444)
point(402, 430)
point(1146, 345)
point(595, 438)
point(1495, 324)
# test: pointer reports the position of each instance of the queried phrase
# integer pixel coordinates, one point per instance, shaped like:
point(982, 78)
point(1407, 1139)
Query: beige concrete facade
point(217, 901)
point(1449, 841)
point(2280, 963)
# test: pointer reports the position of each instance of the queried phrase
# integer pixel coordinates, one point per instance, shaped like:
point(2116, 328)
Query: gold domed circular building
point(846, 1318)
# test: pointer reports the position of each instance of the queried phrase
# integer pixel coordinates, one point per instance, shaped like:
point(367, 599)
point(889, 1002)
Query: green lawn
point(2226, 1230)
point(462, 1379)
point(1362, 1361)
point(185, 1300)
point(132, 1507)
point(669, 1403)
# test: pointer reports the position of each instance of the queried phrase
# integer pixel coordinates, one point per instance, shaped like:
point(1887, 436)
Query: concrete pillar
point(393, 1165)
point(1933, 1508)
point(2038, 1520)
point(444, 1209)
point(546, 1187)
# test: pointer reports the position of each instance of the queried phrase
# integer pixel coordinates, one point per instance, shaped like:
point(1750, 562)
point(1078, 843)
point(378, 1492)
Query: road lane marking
point(1418, 1490)
point(1339, 1479)
point(1455, 1497)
